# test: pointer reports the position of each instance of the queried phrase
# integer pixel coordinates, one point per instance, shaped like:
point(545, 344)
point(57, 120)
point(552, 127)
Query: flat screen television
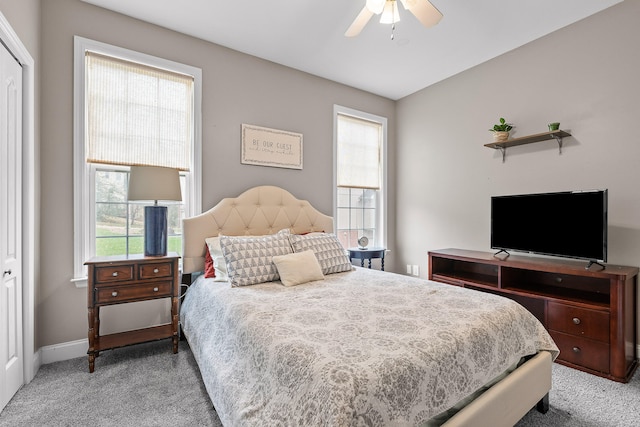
point(571, 224)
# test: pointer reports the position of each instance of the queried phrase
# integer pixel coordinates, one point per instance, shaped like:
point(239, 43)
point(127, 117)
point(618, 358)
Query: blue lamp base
point(155, 230)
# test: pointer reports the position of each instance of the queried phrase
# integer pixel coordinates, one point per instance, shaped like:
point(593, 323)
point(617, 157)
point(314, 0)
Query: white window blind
point(358, 156)
point(137, 114)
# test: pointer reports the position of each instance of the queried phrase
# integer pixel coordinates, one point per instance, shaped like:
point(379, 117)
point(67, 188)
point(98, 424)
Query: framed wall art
point(271, 147)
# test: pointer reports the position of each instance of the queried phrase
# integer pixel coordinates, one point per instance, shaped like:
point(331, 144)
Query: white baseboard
point(63, 351)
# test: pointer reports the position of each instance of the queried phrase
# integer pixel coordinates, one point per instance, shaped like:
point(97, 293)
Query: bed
point(357, 346)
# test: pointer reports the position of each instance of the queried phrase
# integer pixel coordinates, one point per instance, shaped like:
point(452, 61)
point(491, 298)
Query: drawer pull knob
point(114, 294)
point(576, 321)
point(114, 274)
point(155, 270)
point(576, 349)
point(155, 289)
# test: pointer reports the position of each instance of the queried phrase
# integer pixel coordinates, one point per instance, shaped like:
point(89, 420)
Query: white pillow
point(298, 268)
point(327, 248)
point(219, 265)
point(250, 259)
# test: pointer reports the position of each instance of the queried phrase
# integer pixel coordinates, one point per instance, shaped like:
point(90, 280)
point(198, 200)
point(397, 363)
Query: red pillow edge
point(209, 270)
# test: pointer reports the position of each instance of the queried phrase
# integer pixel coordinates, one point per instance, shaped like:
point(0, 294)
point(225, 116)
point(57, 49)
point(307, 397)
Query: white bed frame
point(268, 209)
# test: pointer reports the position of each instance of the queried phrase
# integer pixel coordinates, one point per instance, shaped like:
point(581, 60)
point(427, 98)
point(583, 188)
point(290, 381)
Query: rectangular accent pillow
point(328, 250)
point(250, 259)
point(298, 268)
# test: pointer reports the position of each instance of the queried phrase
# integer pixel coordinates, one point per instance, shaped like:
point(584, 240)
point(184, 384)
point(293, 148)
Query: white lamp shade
point(154, 183)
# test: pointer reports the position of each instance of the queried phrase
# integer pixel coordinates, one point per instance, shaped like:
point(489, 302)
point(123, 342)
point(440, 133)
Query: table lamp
point(154, 183)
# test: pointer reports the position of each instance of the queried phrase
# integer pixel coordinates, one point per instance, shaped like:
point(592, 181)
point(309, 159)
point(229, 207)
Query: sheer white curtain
point(137, 114)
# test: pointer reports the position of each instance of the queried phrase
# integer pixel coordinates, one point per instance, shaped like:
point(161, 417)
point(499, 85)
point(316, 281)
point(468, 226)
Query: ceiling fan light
point(390, 13)
point(375, 6)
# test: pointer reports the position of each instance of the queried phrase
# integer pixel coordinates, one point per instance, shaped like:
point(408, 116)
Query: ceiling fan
point(426, 13)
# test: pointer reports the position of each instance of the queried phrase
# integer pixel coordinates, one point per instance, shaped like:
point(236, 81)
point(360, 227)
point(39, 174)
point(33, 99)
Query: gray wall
point(24, 17)
point(237, 89)
point(584, 76)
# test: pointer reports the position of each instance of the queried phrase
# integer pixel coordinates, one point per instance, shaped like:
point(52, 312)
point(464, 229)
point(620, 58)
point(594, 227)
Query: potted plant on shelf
point(501, 131)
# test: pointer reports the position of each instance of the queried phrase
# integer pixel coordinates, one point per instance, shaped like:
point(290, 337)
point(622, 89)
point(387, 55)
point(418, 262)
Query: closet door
point(11, 357)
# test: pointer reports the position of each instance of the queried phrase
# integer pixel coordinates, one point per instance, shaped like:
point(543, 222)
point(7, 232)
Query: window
point(360, 176)
point(119, 224)
point(130, 109)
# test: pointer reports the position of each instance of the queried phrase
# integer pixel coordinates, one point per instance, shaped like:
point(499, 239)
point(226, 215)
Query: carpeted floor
point(578, 399)
point(142, 385)
point(147, 385)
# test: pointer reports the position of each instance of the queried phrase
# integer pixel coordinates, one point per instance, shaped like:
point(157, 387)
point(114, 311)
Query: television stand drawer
point(578, 321)
point(582, 351)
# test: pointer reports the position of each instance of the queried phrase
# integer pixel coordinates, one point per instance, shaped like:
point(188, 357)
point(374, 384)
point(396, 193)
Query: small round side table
point(367, 253)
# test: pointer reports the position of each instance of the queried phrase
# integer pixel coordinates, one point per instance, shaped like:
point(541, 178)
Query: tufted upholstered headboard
point(258, 211)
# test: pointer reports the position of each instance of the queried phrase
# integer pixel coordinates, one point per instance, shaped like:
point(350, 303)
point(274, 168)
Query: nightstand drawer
point(578, 321)
point(151, 271)
point(581, 351)
point(114, 273)
point(106, 295)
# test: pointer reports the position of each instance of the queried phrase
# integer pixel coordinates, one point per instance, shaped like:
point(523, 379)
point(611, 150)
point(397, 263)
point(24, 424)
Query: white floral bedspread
point(362, 348)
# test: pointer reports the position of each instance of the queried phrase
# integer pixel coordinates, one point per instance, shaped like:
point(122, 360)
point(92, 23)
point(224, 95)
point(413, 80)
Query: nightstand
point(125, 279)
point(368, 253)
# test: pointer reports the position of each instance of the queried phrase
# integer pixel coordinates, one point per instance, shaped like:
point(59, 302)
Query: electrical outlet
point(408, 268)
point(415, 270)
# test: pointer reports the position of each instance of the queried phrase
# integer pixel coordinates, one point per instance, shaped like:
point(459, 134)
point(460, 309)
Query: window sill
point(80, 282)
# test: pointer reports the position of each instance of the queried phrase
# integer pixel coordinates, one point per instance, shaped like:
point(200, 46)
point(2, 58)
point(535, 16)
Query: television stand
point(591, 315)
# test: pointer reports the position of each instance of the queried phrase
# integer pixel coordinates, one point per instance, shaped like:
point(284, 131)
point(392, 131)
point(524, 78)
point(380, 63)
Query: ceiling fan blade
point(426, 13)
point(358, 24)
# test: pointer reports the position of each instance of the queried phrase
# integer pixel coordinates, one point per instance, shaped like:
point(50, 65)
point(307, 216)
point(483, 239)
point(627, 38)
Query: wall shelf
point(555, 134)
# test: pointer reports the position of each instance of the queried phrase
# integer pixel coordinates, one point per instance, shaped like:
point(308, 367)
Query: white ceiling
point(308, 35)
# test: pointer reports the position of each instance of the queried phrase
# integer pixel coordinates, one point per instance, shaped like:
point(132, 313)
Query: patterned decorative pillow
point(249, 260)
point(327, 248)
